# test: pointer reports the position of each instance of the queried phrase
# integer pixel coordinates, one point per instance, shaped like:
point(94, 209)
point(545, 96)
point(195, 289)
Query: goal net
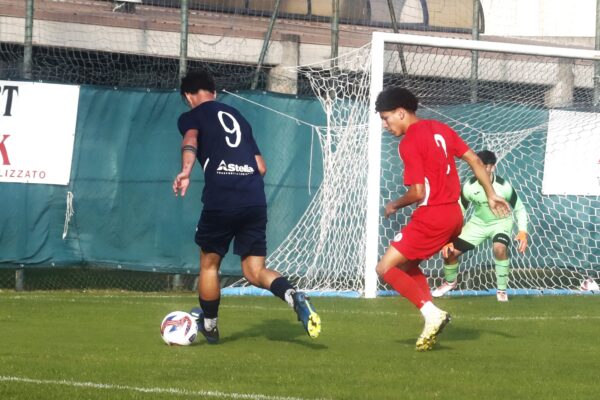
point(534, 107)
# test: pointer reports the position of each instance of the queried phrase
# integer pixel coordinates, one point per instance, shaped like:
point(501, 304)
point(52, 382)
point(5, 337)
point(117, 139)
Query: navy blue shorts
point(248, 225)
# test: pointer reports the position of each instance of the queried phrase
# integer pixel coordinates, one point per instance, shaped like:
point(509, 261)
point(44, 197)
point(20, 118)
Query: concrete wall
point(238, 39)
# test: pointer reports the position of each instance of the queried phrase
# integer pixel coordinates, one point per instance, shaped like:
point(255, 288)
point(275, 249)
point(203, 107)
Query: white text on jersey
point(234, 169)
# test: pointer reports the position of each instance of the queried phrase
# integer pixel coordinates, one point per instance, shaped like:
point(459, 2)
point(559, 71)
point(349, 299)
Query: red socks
point(411, 284)
point(421, 280)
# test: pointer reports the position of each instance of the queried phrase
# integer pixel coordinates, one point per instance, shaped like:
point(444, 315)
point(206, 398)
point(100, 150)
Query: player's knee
point(500, 241)
point(210, 261)
point(500, 252)
point(209, 268)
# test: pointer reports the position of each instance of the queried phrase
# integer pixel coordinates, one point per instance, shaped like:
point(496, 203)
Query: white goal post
point(377, 72)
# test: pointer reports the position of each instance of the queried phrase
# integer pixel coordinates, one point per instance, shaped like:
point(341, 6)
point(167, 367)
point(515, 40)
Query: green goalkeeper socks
point(502, 268)
point(450, 272)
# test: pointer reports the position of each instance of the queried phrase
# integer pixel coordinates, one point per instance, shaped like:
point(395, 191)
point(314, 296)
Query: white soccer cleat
point(501, 295)
point(444, 288)
point(589, 284)
point(433, 327)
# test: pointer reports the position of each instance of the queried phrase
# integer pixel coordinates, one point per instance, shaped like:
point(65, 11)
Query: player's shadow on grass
point(276, 330)
point(459, 334)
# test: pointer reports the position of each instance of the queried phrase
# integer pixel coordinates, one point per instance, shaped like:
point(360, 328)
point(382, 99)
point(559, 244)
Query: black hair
point(395, 97)
point(487, 157)
point(194, 81)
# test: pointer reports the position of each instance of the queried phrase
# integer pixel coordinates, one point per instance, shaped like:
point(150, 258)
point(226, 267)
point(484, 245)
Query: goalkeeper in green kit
point(485, 225)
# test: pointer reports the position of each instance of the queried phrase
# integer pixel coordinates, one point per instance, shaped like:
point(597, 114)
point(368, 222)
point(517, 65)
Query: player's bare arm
point(262, 165)
point(414, 194)
point(498, 205)
point(189, 148)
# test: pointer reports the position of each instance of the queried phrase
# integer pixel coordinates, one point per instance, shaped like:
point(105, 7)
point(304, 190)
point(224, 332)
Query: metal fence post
point(28, 49)
point(335, 30)
point(265, 46)
point(596, 99)
point(474, 53)
point(20, 279)
point(177, 282)
point(183, 42)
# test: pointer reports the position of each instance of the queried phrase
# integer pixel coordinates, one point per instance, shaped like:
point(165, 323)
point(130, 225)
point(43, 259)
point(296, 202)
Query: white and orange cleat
point(502, 296)
point(444, 288)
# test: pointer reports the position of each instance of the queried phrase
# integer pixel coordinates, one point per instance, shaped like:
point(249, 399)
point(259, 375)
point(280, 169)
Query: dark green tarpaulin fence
point(126, 154)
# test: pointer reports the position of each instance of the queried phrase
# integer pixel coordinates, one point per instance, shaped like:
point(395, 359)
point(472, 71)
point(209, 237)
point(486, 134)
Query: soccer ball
point(178, 328)
point(589, 284)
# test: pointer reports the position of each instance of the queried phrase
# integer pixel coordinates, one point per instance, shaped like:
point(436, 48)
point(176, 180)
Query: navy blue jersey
point(226, 152)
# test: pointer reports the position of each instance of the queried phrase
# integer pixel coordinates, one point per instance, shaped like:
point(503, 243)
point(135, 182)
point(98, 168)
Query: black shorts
point(248, 225)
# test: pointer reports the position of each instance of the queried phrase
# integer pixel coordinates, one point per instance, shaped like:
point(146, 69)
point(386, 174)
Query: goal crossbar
point(483, 45)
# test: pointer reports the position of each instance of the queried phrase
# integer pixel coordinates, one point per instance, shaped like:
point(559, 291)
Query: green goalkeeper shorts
point(476, 231)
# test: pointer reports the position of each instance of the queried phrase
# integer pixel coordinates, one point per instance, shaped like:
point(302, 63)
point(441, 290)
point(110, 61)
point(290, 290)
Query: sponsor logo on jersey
point(234, 169)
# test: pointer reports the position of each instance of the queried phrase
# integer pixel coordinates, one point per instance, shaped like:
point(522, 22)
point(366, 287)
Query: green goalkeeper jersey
point(472, 192)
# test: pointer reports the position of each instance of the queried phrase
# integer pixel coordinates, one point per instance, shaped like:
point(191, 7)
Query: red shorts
point(429, 229)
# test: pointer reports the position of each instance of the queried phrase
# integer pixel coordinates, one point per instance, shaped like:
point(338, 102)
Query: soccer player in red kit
point(427, 150)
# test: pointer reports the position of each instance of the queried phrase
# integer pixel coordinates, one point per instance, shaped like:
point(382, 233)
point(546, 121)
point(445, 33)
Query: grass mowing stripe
point(106, 298)
point(153, 390)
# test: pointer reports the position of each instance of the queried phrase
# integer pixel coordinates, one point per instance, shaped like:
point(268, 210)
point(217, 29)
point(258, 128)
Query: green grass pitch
point(106, 345)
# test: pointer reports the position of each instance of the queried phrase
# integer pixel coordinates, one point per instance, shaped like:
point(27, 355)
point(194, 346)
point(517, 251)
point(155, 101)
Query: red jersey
point(428, 150)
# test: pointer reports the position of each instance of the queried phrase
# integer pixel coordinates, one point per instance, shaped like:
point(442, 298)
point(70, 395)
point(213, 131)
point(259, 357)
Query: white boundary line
point(151, 390)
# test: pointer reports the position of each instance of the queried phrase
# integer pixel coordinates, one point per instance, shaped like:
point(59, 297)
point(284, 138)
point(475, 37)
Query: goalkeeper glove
point(522, 239)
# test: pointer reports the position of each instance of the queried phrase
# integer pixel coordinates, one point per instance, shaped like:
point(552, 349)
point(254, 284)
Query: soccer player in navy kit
point(235, 206)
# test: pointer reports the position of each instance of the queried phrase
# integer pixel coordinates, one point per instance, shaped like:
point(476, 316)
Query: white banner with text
point(37, 132)
point(572, 162)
